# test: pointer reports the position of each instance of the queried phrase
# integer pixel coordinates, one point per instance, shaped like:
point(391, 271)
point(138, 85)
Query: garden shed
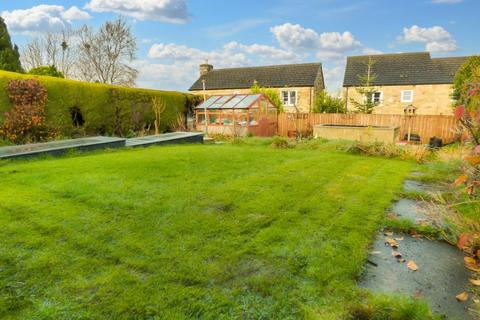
point(238, 114)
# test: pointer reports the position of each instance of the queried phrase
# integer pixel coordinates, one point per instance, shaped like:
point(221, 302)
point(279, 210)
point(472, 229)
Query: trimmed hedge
point(106, 109)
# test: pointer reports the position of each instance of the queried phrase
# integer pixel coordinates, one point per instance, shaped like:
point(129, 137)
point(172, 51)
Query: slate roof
point(289, 75)
point(403, 69)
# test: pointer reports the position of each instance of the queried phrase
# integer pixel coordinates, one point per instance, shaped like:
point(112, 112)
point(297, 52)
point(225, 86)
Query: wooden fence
point(426, 126)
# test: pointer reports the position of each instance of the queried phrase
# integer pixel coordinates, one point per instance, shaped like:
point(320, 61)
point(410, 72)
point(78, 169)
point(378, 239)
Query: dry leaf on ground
point(391, 242)
point(397, 255)
point(400, 238)
point(412, 265)
point(475, 282)
point(462, 297)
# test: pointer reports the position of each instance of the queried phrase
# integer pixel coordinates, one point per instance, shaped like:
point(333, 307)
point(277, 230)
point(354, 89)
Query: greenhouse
point(239, 115)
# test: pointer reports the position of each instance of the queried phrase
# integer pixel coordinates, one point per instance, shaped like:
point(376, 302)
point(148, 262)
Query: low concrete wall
point(357, 133)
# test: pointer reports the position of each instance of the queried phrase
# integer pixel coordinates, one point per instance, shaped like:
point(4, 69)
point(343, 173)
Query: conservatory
point(237, 115)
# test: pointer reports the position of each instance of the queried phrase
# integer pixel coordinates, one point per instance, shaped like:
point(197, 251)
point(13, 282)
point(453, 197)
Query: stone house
point(403, 79)
point(297, 84)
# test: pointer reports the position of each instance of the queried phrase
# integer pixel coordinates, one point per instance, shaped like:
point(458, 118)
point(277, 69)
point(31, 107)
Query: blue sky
point(174, 36)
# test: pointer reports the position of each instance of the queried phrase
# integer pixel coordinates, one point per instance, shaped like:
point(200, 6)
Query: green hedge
point(106, 109)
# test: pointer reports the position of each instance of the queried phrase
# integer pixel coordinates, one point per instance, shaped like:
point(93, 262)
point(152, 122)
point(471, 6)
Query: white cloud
point(75, 13)
point(370, 51)
point(297, 37)
point(436, 38)
point(447, 1)
point(42, 17)
point(294, 35)
point(171, 11)
point(334, 77)
point(175, 66)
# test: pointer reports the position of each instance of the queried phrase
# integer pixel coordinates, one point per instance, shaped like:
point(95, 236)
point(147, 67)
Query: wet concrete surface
point(417, 186)
point(412, 210)
point(441, 274)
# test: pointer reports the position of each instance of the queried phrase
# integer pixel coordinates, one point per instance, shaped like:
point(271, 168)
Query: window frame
point(380, 99)
point(402, 99)
point(289, 104)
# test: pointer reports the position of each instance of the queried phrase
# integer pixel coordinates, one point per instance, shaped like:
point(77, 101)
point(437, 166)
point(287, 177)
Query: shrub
point(270, 93)
point(25, 122)
point(50, 71)
point(281, 143)
point(324, 103)
point(104, 109)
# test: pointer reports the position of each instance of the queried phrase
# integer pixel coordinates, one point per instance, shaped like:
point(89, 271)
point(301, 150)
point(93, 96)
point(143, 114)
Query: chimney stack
point(205, 68)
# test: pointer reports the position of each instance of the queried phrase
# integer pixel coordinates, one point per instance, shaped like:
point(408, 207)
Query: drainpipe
point(205, 107)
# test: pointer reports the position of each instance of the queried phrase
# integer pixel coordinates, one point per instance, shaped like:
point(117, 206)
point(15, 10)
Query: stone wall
point(305, 96)
point(428, 99)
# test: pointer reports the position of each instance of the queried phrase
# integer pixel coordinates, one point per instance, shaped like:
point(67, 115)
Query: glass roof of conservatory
point(235, 101)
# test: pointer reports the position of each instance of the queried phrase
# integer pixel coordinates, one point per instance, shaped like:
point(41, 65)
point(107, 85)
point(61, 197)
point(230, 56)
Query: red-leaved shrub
point(25, 122)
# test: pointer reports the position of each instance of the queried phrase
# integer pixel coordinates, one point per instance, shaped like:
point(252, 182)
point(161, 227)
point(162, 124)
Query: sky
point(175, 36)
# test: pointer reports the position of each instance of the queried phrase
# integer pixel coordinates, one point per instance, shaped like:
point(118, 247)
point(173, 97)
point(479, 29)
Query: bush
point(324, 103)
point(104, 109)
point(270, 93)
point(281, 143)
point(50, 71)
point(464, 77)
point(25, 122)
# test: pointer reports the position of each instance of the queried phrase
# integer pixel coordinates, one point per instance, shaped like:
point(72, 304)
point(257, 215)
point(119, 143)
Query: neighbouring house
point(401, 80)
point(237, 115)
point(297, 84)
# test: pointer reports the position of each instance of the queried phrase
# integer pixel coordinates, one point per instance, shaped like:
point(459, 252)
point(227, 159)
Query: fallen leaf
point(461, 180)
point(476, 300)
point(473, 160)
point(400, 238)
point(475, 282)
point(464, 241)
point(397, 254)
point(462, 297)
point(376, 252)
point(391, 242)
point(388, 233)
point(469, 261)
point(412, 265)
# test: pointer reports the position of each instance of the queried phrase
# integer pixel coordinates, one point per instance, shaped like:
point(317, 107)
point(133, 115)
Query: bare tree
point(53, 49)
point(104, 54)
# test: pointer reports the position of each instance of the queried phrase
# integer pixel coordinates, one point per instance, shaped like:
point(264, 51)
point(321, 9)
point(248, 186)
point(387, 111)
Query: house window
point(375, 97)
point(289, 98)
point(406, 96)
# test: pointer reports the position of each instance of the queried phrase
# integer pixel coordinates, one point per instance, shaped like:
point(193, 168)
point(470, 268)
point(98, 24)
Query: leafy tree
point(47, 71)
point(464, 78)
point(366, 90)
point(324, 103)
point(9, 56)
point(270, 93)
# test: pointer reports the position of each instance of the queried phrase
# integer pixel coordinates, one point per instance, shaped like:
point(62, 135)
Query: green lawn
point(211, 232)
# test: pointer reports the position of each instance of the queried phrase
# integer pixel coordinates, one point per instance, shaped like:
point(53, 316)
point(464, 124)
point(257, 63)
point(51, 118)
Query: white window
point(375, 97)
point(289, 98)
point(406, 96)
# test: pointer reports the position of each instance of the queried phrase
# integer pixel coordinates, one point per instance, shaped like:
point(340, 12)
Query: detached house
point(297, 84)
point(403, 79)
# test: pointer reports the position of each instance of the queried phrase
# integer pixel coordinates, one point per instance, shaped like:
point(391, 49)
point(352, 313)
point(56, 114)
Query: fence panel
point(426, 126)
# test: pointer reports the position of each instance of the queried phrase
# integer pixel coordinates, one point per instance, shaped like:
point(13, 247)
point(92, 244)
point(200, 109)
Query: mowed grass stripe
point(189, 232)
